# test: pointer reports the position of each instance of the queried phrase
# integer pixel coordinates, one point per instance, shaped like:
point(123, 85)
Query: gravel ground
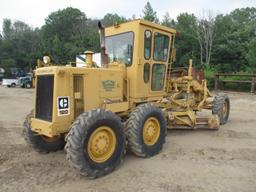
point(191, 161)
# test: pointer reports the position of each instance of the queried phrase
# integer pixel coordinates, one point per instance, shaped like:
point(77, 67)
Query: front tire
point(96, 143)
point(40, 143)
point(146, 130)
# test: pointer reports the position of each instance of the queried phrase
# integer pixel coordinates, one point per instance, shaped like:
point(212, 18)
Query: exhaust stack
point(104, 57)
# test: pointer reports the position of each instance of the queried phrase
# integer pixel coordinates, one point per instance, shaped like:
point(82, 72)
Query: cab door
point(146, 63)
point(153, 66)
point(159, 63)
point(147, 57)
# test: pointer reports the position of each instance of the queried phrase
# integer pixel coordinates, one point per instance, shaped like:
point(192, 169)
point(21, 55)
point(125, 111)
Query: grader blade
point(188, 120)
point(212, 122)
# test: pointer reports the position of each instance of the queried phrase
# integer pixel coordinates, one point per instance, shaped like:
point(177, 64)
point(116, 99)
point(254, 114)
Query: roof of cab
point(149, 24)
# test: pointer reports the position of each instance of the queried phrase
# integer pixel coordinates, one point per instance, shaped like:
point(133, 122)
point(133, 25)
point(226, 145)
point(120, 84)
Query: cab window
point(158, 75)
point(120, 48)
point(147, 44)
point(161, 43)
point(146, 72)
point(170, 52)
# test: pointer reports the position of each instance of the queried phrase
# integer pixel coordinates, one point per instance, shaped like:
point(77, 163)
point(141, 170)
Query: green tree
point(251, 56)
point(111, 19)
point(20, 45)
point(205, 35)
point(186, 42)
point(234, 40)
point(69, 32)
point(65, 34)
point(7, 28)
point(149, 14)
point(7, 64)
point(167, 21)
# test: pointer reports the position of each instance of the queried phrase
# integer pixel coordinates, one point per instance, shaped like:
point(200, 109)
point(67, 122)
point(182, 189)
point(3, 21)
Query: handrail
point(235, 74)
point(252, 81)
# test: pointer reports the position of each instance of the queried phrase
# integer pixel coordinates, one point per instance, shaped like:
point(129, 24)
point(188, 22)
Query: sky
point(33, 12)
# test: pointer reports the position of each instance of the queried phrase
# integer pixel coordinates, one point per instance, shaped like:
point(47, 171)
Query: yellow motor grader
point(129, 102)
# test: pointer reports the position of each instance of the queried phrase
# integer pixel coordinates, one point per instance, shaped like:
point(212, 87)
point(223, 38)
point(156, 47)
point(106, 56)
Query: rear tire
point(95, 143)
point(146, 118)
point(40, 143)
point(221, 107)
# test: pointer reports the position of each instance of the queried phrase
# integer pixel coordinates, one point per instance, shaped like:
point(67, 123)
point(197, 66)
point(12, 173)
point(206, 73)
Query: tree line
point(224, 43)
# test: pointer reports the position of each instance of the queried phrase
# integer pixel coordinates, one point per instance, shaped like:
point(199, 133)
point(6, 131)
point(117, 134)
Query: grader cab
point(129, 102)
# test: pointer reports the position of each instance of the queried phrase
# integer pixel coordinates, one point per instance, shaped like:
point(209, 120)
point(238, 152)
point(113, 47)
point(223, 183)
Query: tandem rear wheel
point(146, 130)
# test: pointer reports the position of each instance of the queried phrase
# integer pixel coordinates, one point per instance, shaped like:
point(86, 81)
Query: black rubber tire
point(13, 85)
point(78, 137)
point(28, 85)
point(217, 106)
point(37, 142)
point(134, 130)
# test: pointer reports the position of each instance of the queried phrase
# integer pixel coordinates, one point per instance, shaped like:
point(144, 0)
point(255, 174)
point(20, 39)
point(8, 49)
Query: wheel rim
point(101, 144)
point(151, 131)
point(50, 139)
point(225, 109)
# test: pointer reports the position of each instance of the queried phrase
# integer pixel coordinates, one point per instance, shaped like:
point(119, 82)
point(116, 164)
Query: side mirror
point(102, 34)
point(104, 57)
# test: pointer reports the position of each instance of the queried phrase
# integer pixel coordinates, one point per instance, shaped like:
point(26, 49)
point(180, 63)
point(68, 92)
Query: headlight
point(46, 59)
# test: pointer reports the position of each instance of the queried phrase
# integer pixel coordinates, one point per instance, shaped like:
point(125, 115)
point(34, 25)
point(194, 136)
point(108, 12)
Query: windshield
point(120, 47)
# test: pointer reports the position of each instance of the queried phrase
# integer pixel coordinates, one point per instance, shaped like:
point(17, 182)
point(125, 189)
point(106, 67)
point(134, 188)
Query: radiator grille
point(44, 97)
point(78, 95)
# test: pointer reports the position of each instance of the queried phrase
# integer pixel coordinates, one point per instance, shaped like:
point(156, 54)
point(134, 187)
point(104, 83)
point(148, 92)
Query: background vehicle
point(25, 82)
point(134, 96)
point(10, 82)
